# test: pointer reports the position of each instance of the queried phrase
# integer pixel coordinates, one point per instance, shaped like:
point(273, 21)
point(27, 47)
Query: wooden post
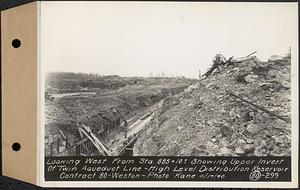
point(58, 144)
point(67, 142)
point(51, 149)
point(77, 150)
point(89, 146)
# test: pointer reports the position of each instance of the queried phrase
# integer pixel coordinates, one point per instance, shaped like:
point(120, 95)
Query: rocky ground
point(208, 118)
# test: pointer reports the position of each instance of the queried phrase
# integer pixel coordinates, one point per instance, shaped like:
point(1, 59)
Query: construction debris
point(240, 107)
point(219, 60)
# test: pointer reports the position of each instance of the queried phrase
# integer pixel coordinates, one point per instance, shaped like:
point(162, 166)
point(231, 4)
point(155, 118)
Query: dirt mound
point(241, 109)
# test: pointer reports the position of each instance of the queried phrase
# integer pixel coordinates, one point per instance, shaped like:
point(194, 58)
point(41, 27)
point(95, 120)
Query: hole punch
point(16, 43)
point(16, 146)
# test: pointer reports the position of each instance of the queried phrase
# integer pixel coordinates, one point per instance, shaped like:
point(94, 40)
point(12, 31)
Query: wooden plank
point(260, 108)
point(251, 54)
point(62, 134)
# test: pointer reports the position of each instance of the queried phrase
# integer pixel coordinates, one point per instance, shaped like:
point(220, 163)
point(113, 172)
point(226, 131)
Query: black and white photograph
point(168, 91)
point(167, 79)
point(169, 94)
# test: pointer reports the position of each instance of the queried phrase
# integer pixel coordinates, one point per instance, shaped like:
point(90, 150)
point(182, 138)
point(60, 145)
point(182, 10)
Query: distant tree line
point(72, 76)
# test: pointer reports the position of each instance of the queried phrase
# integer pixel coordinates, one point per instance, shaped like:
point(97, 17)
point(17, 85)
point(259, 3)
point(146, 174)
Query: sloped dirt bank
point(209, 120)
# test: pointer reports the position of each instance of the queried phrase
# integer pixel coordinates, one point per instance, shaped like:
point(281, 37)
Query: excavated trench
point(104, 123)
point(107, 125)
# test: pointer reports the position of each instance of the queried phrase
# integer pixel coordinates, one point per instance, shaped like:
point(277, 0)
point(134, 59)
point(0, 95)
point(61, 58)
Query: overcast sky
point(136, 39)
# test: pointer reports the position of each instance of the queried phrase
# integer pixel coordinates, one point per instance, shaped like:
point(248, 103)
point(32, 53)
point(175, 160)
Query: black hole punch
point(16, 43)
point(16, 146)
